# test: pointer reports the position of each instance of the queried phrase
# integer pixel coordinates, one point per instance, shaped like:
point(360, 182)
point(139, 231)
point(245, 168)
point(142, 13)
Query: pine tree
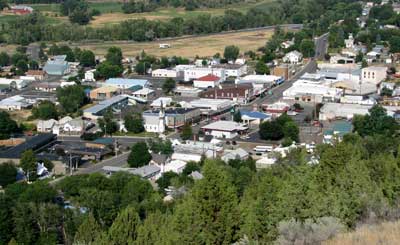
point(124, 228)
point(88, 231)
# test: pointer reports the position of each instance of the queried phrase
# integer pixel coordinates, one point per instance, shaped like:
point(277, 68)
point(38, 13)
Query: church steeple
point(161, 121)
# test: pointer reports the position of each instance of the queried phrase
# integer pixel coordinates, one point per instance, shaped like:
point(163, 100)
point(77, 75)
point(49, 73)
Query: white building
point(238, 153)
point(164, 73)
point(144, 94)
point(331, 111)
point(155, 125)
point(224, 129)
point(197, 72)
point(212, 105)
point(14, 83)
point(357, 99)
point(207, 81)
point(293, 57)
point(162, 101)
point(89, 76)
point(349, 42)
point(15, 103)
point(45, 126)
point(307, 91)
point(232, 70)
point(373, 74)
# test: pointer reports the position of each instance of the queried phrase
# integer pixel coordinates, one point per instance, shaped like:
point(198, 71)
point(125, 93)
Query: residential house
point(75, 126)
point(224, 129)
point(237, 154)
point(46, 126)
point(242, 93)
point(89, 76)
point(287, 44)
point(293, 57)
point(39, 75)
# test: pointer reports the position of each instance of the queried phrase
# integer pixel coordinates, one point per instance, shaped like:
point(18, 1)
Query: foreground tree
point(71, 98)
point(88, 231)
point(124, 227)
point(45, 110)
point(133, 123)
point(139, 155)
point(8, 174)
point(7, 125)
point(107, 124)
point(28, 163)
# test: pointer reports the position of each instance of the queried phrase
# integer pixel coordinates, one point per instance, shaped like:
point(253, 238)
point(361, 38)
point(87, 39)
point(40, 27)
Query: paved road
point(122, 140)
point(117, 161)
point(310, 67)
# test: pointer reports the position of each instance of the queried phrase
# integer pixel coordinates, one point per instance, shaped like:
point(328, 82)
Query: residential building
point(349, 42)
point(293, 57)
point(287, 44)
point(374, 74)
point(197, 72)
point(207, 81)
point(237, 154)
point(14, 103)
point(242, 93)
point(39, 75)
point(144, 94)
point(104, 93)
point(164, 73)
point(125, 83)
point(161, 101)
point(89, 76)
point(46, 126)
point(173, 118)
point(224, 129)
point(115, 103)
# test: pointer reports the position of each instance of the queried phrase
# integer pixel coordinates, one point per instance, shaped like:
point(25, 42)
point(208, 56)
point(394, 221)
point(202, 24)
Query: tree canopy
point(139, 155)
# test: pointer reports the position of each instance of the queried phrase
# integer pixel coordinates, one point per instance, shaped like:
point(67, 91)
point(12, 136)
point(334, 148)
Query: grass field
point(112, 11)
point(386, 233)
point(188, 47)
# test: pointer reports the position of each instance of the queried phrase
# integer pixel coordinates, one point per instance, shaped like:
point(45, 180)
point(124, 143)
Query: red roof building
point(208, 81)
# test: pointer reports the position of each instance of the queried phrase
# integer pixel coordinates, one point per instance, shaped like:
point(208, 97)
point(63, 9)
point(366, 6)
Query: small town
point(236, 145)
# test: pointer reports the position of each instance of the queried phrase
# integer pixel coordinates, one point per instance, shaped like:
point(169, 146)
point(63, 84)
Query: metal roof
point(106, 104)
point(126, 82)
point(33, 143)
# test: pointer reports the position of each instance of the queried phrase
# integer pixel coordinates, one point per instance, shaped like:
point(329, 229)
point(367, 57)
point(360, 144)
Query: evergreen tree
point(88, 231)
point(139, 155)
point(125, 226)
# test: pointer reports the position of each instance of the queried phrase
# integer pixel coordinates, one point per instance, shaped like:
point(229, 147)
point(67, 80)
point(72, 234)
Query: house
point(237, 154)
point(164, 73)
point(357, 99)
point(254, 117)
point(57, 66)
point(75, 126)
point(144, 94)
point(46, 126)
point(293, 57)
point(341, 59)
point(208, 81)
point(47, 87)
point(224, 129)
point(194, 150)
point(287, 44)
point(125, 83)
point(161, 101)
point(339, 129)
point(21, 9)
point(242, 93)
point(172, 118)
point(89, 76)
point(104, 93)
point(13, 103)
point(115, 103)
point(176, 166)
point(373, 74)
point(232, 70)
point(349, 42)
point(198, 72)
point(39, 75)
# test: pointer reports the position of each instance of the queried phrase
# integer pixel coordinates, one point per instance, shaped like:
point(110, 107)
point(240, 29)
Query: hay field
point(386, 233)
point(188, 47)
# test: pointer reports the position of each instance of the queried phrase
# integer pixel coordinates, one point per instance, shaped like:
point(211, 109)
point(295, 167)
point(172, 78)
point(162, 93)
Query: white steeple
point(161, 121)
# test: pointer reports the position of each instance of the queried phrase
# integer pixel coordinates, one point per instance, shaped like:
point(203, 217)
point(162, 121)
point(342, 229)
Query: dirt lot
point(189, 47)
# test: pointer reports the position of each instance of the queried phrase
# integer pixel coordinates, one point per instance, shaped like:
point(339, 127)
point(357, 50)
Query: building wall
point(371, 74)
point(163, 73)
point(194, 73)
point(222, 134)
point(205, 84)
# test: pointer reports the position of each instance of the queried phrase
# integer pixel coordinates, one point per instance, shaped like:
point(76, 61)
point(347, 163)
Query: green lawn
point(103, 7)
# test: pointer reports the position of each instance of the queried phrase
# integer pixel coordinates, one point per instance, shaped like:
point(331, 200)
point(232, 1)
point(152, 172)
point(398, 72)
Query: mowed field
point(111, 12)
point(188, 47)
